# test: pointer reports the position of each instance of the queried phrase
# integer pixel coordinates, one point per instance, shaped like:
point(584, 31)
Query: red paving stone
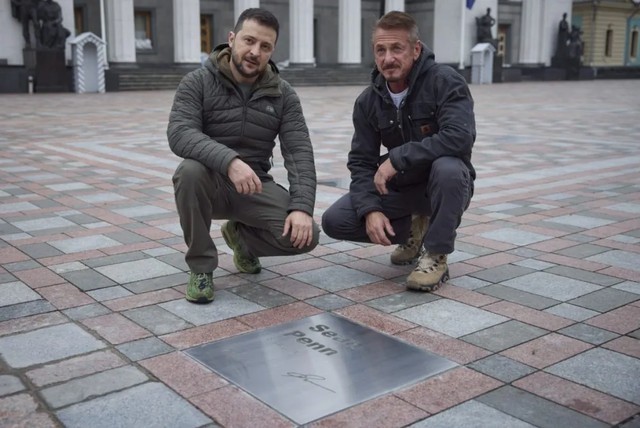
point(22, 411)
point(12, 255)
point(183, 374)
point(367, 292)
point(33, 322)
point(625, 345)
point(205, 333)
point(279, 315)
point(116, 328)
point(530, 316)
point(232, 407)
point(388, 411)
point(374, 319)
point(151, 298)
point(578, 397)
point(449, 389)
point(546, 350)
point(65, 296)
point(446, 346)
point(75, 367)
point(294, 288)
point(39, 277)
point(465, 296)
point(622, 320)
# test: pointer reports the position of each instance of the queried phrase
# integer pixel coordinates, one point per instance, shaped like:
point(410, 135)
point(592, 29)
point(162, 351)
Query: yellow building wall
point(609, 16)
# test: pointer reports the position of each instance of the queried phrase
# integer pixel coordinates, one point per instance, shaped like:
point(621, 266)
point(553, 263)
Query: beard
point(237, 62)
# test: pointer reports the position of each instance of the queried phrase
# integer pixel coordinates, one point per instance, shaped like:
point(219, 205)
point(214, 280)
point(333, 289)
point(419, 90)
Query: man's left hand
point(385, 172)
point(300, 224)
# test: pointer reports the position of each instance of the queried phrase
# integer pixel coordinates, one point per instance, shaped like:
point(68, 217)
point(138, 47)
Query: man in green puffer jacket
point(224, 122)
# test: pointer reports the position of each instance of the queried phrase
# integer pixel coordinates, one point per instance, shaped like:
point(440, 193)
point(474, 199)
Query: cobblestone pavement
point(541, 315)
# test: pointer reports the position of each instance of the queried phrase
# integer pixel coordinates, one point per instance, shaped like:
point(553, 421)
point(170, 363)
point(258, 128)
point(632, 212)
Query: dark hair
point(395, 20)
point(261, 16)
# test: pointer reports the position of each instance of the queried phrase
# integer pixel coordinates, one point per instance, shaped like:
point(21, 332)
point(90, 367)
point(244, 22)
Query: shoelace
point(432, 267)
point(202, 280)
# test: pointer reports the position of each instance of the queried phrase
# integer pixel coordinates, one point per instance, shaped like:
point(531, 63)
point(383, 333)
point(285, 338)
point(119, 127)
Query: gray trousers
point(202, 195)
point(444, 196)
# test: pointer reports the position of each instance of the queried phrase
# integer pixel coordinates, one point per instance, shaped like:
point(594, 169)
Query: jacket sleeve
point(185, 130)
point(456, 125)
point(297, 151)
point(364, 159)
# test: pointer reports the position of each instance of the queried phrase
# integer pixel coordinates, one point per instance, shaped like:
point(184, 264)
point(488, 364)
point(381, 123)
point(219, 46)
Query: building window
point(78, 18)
point(144, 35)
point(206, 34)
point(608, 43)
point(633, 46)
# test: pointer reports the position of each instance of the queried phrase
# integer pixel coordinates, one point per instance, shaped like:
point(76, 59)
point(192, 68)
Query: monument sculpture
point(52, 34)
point(44, 53)
point(483, 31)
point(560, 59)
point(575, 51)
point(26, 11)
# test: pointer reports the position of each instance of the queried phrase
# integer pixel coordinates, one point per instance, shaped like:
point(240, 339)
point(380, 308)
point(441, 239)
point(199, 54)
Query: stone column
point(390, 5)
point(121, 37)
point(301, 40)
point(240, 5)
point(186, 31)
point(350, 34)
point(530, 38)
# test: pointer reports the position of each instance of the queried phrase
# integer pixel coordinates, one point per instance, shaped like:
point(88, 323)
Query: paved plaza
point(541, 316)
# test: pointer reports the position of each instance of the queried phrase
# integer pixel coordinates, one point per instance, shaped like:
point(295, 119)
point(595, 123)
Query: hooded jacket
point(435, 119)
point(212, 122)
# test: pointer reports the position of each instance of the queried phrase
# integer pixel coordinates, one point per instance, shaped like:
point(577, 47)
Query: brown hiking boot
point(432, 271)
point(408, 252)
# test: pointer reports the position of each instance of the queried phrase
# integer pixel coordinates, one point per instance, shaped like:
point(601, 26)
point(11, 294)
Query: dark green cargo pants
point(202, 195)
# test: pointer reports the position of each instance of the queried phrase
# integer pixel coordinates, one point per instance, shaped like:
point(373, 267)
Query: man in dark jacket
point(224, 122)
point(416, 193)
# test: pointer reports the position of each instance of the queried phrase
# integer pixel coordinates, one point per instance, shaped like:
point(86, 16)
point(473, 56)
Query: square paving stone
point(472, 414)
point(502, 368)
point(115, 259)
point(80, 389)
point(137, 270)
point(16, 292)
point(141, 211)
point(452, 318)
point(86, 243)
point(588, 333)
point(335, 278)
point(518, 296)
point(161, 282)
point(144, 348)
point(148, 405)
point(582, 251)
point(515, 236)
point(329, 302)
point(226, 305)
point(37, 251)
point(535, 410)
point(87, 279)
point(109, 293)
point(583, 275)
point(605, 300)
point(10, 384)
point(629, 286)
point(553, 286)
point(501, 273)
point(87, 311)
point(25, 309)
point(47, 344)
point(572, 312)
point(618, 258)
point(157, 320)
point(43, 224)
point(399, 301)
point(264, 296)
point(607, 371)
point(582, 221)
point(505, 335)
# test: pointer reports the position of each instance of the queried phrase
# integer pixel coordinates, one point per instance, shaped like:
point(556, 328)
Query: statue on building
point(575, 51)
point(26, 11)
point(483, 30)
point(561, 56)
point(52, 34)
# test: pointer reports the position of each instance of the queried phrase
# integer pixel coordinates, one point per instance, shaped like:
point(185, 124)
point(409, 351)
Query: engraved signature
point(309, 378)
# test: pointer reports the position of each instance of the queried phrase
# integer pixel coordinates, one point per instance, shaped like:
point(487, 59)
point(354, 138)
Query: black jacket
point(435, 119)
point(211, 122)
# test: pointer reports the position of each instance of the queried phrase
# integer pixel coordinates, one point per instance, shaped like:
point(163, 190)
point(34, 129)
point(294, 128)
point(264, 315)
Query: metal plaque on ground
point(316, 366)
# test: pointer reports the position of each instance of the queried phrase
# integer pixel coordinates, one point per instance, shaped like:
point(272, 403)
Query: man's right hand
point(244, 178)
point(378, 227)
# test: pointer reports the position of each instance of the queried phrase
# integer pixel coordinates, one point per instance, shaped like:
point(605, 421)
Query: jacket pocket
point(390, 135)
point(423, 121)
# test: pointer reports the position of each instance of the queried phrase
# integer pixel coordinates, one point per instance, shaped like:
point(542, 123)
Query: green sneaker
point(244, 263)
point(200, 288)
